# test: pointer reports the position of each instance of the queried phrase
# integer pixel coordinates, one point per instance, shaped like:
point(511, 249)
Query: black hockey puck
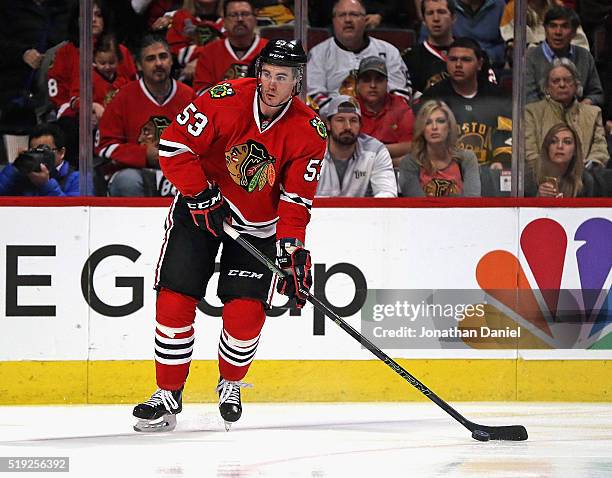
point(480, 435)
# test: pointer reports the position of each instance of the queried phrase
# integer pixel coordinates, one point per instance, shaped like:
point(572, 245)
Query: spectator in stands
point(29, 28)
point(229, 58)
point(151, 102)
point(199, 22)
point(332, 64)
point(563, 90)
point(64, 74)
point(536, 11)
point(355, 165)
point(437, 166)
point(560, 25)
point(384, 116)
point(482, 110)
point(479, 20)
point(426, 62)
point(379, 13)
point(559, 171)
point(41, 171)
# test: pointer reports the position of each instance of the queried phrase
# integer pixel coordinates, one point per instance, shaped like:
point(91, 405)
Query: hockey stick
point(479, 432)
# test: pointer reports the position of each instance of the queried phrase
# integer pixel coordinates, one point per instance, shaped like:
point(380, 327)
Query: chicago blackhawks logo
point(439, 187)
point(152, 130)
point(317, 124)
point(205, 34)
point(221, 90)
point(236, 71)
point(250, 165)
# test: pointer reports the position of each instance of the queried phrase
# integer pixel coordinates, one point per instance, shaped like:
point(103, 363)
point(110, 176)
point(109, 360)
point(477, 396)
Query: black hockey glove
point(209, 210)
point(295, 261)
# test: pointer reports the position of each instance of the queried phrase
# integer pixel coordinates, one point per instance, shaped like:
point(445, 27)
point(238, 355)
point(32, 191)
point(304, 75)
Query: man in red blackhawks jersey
point(249, 153)
point(150, 102)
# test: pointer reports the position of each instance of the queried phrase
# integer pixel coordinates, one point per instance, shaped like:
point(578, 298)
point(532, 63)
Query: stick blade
point(506, 433)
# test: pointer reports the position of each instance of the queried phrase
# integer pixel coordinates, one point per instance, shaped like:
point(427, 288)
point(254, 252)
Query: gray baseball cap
point(372, 63)
point(341, 104)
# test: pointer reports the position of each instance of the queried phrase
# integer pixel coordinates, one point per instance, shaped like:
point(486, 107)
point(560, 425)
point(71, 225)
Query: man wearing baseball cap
point(386, 117)
point(355, 164)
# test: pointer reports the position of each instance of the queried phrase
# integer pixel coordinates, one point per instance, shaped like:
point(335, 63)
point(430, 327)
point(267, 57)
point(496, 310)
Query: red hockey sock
point(242, 323)
point(174, 338)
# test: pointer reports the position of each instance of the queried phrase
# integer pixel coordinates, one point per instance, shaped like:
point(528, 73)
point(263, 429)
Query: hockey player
point(248, 152)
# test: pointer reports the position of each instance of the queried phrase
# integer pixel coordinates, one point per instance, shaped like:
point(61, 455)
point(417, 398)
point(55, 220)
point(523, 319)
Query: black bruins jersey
point(485, 121)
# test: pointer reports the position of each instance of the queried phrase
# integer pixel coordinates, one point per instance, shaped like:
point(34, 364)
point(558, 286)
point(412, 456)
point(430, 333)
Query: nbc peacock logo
point(557, 292)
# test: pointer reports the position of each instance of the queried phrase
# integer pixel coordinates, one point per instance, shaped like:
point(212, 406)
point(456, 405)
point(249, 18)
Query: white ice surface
point(316, 440)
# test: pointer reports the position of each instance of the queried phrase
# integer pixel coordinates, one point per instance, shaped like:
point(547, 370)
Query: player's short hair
point(336, 2)
point(49, 129)
point(562, 13)
point(470, 43)
point(227, 2)
point(147, 41)
point(450, 4)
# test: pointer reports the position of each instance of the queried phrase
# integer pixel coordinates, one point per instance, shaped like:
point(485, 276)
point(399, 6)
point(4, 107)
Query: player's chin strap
point(479, 432)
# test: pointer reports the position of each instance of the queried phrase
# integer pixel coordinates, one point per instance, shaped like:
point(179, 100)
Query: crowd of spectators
point(434, 119)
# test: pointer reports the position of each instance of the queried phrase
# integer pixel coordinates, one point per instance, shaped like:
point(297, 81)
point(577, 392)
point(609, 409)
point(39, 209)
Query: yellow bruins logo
point(250, 165)
point(317, 124)
point(221, 91)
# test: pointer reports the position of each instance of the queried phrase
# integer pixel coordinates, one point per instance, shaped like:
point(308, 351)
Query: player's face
point(49, 141)
point(349, 21)
point(562, 147)
point(156, 63)
point(277, 83)
point(239, 20)
point(97, 26)
point(462, 64)
point(372, 87)
point(559, 34)
point(345, 127)
point(436, 128)
point(437, 18)
point(561, 85)
point(105, 62)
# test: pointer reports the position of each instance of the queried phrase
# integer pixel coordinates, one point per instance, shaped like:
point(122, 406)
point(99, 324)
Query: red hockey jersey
point(217, 61)
point(103, 91)
point(188, 32)
point(132, 110)
point(64, 74)
point(267, 173)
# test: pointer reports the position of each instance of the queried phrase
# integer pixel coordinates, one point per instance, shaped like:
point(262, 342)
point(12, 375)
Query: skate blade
point(166, 423)
point(228, 426)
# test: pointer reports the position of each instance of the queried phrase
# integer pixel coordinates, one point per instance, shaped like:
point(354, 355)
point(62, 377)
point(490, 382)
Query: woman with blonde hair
point(436, 166)
point(559, 171)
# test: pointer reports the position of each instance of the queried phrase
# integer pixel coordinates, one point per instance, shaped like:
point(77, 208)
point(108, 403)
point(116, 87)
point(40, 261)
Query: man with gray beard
point(355, 164)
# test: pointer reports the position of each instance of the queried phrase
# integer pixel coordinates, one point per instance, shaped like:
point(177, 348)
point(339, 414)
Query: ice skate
point(158, 413)
point(230, 406)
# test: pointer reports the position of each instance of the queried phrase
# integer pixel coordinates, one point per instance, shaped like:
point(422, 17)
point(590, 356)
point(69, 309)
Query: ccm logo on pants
point(249, 274)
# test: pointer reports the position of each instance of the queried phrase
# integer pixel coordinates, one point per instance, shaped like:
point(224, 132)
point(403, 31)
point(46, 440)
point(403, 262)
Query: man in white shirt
point(355, 164)
point(332, 64)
